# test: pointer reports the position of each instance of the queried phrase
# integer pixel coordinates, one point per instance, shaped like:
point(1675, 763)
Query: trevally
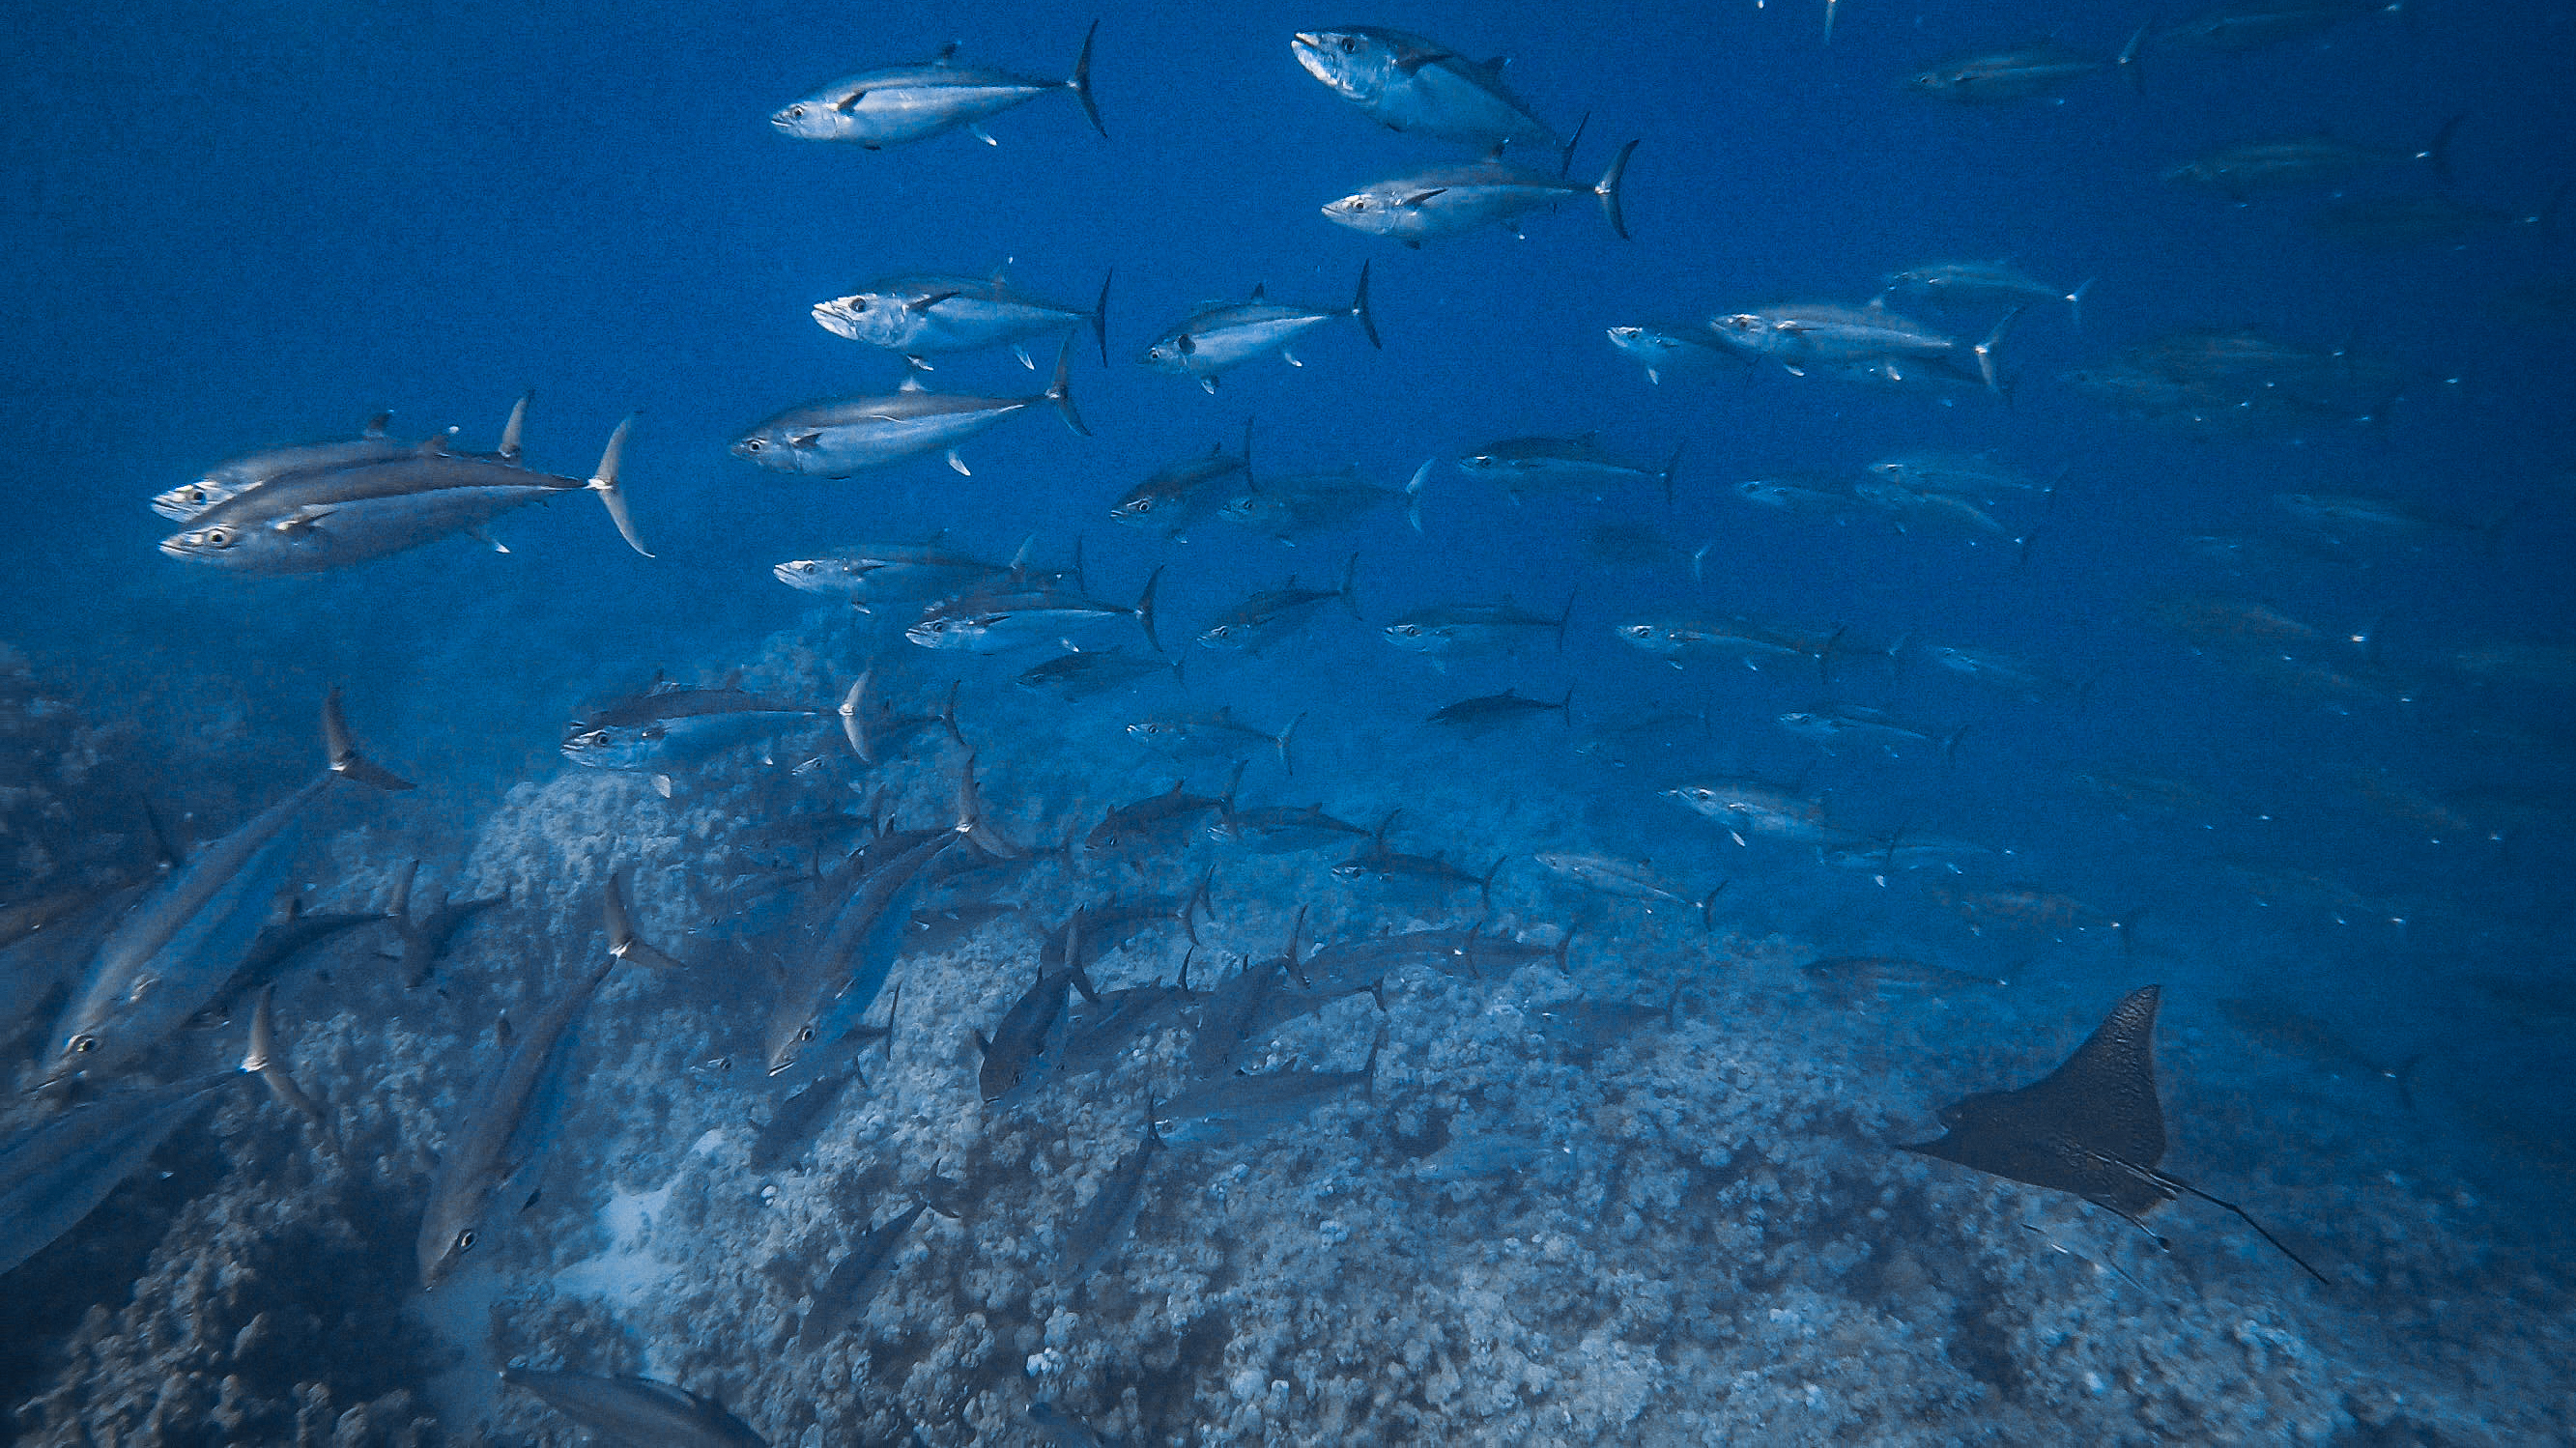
point(928, 315)
point(1408, 83)
point(843, 436)
point(1224, 335)
point(900, 103)
point(1454, 199)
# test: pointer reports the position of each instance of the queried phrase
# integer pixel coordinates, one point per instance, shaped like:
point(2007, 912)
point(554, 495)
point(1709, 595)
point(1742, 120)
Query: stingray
point(2092, 1127)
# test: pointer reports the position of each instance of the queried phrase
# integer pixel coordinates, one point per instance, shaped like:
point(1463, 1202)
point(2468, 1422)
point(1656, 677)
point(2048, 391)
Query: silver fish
point(637, 1410)
point(1181, 494)
point(1661, 347)
point(1627, 880)
point(1408, 83)
point(1225, 335)
point(902, 103)
point(2254, 24)
point(1236, 1110)
point(931, 315)
point(57, 1173)
point(989, 623)
point(1451, 200)
point(854, 1279)
point(1272, 614)
point(1300, 503)
point(2312, 160)
point(671, 726)
point(1101, 1229)
point(1219, 733)
point(1524, 464)
point(1452, 630)
point(1750, 807)
point(2023, 71)
point(828, 994)
point(1975, 283)
point(319, 519)
point(174, 952)
point(849, 435)
point(1824, 335)
point(227, 480)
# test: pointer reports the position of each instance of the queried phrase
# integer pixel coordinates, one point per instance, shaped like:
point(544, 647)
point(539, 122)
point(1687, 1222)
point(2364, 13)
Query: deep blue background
point(240, 227)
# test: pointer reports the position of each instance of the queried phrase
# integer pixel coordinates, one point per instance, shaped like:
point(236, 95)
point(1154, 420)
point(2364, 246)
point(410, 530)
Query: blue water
point(242, 228)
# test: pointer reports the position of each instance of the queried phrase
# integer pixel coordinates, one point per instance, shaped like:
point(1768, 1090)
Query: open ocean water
point(1720, 780)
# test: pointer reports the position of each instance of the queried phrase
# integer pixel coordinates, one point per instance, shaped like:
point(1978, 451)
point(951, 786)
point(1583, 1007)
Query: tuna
point(898, 104)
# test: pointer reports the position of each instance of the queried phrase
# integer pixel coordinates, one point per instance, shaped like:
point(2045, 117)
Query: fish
point(1063, 1428)
point(1473, 953)
point(2236, 382)
point(1098, 928)
point(1748, 807)
point(1289, 507)
point(1977, 476)
point(1155, 823)
point(876, 733)
point(1274, 613)
point(1908, 508)
point(40, 961)
point(1238, 1110)
point(2022, 72)
point(54, 1174)
point(1849, 723)
point(1219, 733)
point(1226, 1012)
point(1015, 1058)
point(899, 104)
point(278, 945)
point(783, 1137)
point(320, 519)
point(1479, 1155)
point(176, 949)
point(1846, 978)
point(890, 573)
point(1100, 1230)
point(1224, 335)
point(1810, 335)
point(2294, 1032)
point(671, 726)
point(637, 1410)
point(2403, 223)
point(1182, 494)
point(843, 1295)
point(425, 937)
point(1815, 494)
point(1488, 712)
point(476, 1159)
point(1451, 200)
point(1619, 544)
point(1682, 350)
point(2254, 24)
point(2311, 160)
point(1905, 850)
point(1395, 870)
point(1678, 640)
point(227, 480)
point(1529, 464)
point(1282, 830)
point(831, 990)
point(2030, 909)
point(935, 932)
point(1974, 283)
point(1408, 83)
point(992, 622)
point(1458, 629)
point(929, 315)
point(1627, 880)
point(1087, 673)
point(1098, 1034)
point(842, 437)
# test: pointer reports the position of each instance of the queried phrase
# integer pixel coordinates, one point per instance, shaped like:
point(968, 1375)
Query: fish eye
point(1350, 46)
point(84, 1044)
point(220, 537)
point(465, 1240)
point(795, 113)
point(806, 1034)
point(805, 568)
point(751, 444)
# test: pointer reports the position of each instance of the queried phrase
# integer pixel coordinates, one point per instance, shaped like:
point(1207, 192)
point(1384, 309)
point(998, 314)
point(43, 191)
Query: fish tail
point(604, 483)
point(1708, 907)
point(1060, 391)
point(1100, 316)
point(1413, 493)
point(1360, 309)
point(2075, 302)
point(1080, 84)
point(1608, 190)
point(623, 942)
point(1348, 593)
point(853, 726)
point(1986, 351)
point(1671, 465)
point(2130, 53)
point(1281, 740)
point(2439, 153)
point(1564, 616)
point(1199, 900)
point(1485, 887)
point(265, 1061)
point(1145, 608)
point(517, 425)
point(340, 752)
point(398, 909)
point(1565, 708)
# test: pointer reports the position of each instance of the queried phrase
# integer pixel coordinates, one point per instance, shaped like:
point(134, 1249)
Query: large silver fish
point(837, 438)
point(227, 480)
point(637, 1410)
point(1662, 347)
point(928, 315)
point(1454, 199)
point(670, 726)
point(308, 521)
point(900, 103)
point(989, 623)
point(830, 992)
point(174, 951)
point(1406, 82)
point(57, 1173)
point(1824, 335)
point(2022, 71)
point(1224, 335)
point(1181, 494)
point(2311, 160)
point(476, 1159)
point(1526, 464)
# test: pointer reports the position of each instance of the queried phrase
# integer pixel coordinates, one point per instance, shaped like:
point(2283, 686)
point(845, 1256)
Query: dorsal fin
point(1260, 290)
